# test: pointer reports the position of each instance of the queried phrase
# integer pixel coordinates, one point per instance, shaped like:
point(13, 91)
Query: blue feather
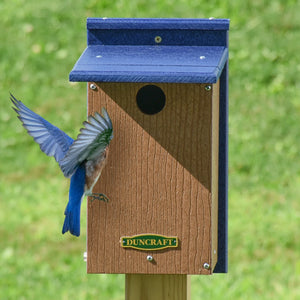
point(71, 155)
point(52, 140)
point(76, 193)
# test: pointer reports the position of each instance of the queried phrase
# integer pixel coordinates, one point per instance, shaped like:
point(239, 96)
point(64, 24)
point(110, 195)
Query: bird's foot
point(100, 197)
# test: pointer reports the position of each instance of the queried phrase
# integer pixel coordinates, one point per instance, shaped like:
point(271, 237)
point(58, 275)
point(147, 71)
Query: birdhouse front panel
point(161, 180)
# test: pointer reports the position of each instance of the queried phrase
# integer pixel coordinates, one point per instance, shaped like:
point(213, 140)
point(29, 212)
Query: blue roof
point(128, 50)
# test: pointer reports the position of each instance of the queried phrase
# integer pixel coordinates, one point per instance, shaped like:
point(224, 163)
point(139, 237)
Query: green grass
point(39, 44)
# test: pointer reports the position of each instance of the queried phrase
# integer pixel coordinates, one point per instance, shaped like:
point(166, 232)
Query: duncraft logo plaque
point(149, 241)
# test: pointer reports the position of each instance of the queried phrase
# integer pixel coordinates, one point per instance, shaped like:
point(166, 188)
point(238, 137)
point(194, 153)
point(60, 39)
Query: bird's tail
point(72, 219)
point(76, 193)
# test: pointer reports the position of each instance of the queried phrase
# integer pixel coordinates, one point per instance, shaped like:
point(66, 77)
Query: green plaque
point(149, 241)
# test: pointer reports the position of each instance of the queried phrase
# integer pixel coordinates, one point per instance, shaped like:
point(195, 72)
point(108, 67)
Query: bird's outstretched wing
point(52, 140)
point(90, 143)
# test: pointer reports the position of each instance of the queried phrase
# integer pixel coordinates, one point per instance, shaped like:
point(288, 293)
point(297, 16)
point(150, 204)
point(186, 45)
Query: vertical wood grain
point(215, 173)
point(157, 287)
point(159, 179)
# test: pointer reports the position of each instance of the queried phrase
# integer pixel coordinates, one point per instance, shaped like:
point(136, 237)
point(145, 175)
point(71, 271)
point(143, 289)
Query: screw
point(208, 87)
point(149, 257)
point(206, 266)
point(93, 86)
point(158, 39)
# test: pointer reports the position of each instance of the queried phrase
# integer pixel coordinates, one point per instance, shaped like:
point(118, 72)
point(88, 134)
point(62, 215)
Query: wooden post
point(157, 287)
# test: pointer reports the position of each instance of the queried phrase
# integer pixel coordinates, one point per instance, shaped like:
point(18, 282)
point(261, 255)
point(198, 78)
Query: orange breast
point(94, 169)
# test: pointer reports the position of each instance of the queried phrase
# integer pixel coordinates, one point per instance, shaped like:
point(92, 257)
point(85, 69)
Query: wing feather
point(106, 117)
point(90, 143)
point(52, 140)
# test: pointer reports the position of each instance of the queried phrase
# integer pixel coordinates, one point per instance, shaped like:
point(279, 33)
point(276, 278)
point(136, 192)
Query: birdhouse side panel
point(215, 172)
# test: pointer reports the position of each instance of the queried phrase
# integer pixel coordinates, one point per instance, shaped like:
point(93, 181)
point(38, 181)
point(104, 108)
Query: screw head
point(208, 87)
point(93, 86)
point(85, 256)
point(158, 39)
point(149, 257)
point(206, 266)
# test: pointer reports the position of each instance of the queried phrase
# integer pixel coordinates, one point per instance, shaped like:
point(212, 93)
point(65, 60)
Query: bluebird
point(81, 160)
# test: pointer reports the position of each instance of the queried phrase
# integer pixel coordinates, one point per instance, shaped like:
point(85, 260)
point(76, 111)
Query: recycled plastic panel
point(161, 178)
point(165, 51)
point(126, 50)
point(107, 63)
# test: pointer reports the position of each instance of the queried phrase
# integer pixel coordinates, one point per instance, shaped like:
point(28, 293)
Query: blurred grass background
point(39, 43)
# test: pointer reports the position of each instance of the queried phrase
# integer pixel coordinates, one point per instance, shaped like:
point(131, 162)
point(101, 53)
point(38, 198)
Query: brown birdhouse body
point(162, 177)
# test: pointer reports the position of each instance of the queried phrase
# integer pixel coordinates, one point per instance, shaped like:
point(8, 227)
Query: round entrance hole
point(150, 99)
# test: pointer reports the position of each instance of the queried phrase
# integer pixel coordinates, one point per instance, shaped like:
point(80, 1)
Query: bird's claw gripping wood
point(100, 197)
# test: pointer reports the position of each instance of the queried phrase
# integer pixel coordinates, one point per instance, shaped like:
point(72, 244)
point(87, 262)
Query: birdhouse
point(164, 85)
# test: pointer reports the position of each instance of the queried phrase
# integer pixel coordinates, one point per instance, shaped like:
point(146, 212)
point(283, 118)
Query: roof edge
point(158, 23)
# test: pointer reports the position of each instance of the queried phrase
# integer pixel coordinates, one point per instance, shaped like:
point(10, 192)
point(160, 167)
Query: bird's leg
point(100, 197)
